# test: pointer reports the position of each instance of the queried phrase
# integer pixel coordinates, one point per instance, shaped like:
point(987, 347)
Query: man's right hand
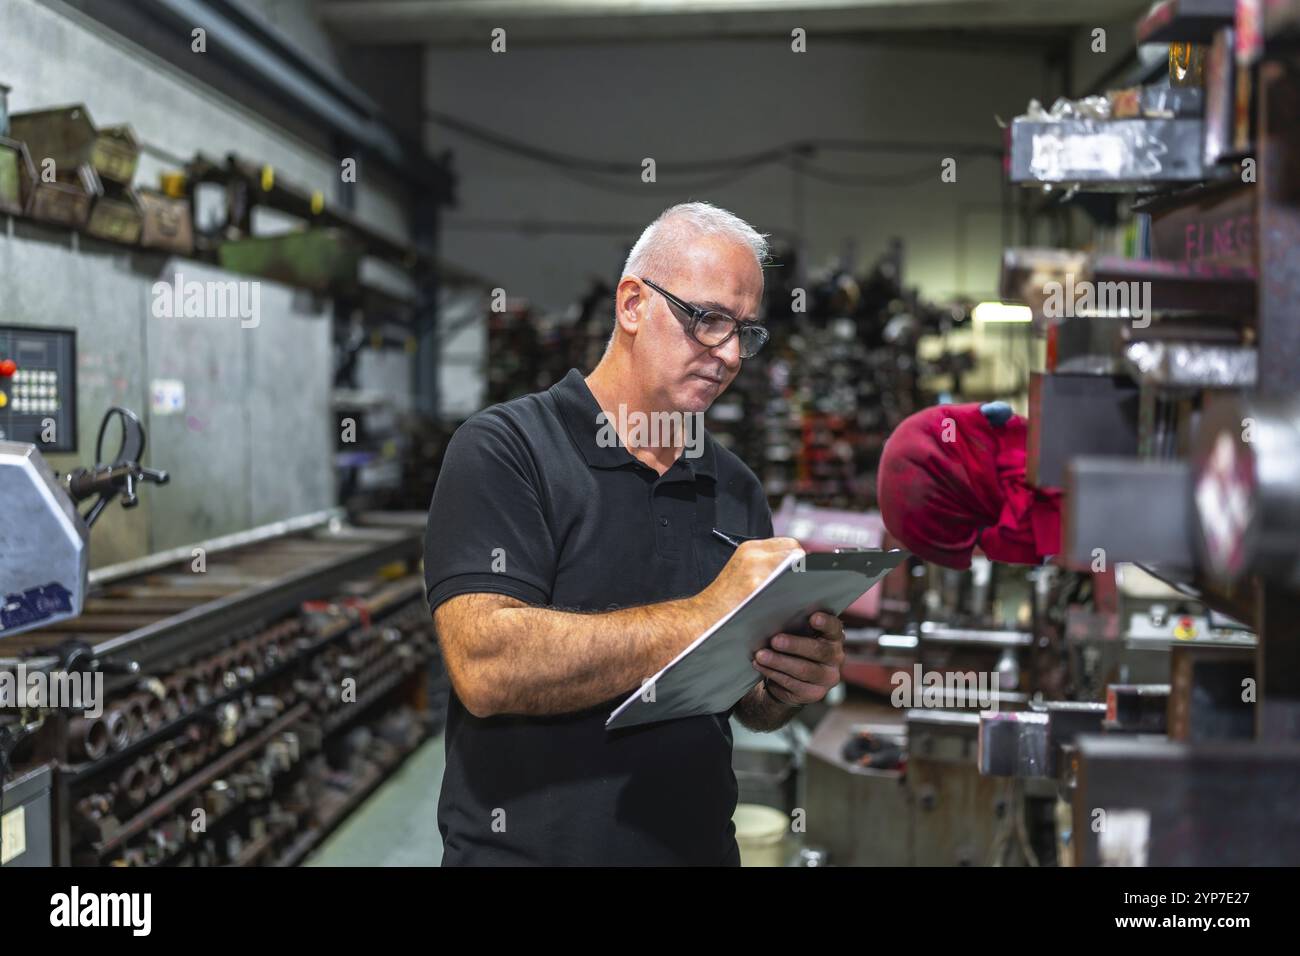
point(748, 568)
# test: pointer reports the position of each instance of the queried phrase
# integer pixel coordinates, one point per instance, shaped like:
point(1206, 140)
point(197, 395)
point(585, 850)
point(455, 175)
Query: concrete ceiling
point(460, 22)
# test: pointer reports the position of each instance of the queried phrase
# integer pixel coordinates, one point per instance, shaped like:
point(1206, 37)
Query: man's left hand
point(801, 670)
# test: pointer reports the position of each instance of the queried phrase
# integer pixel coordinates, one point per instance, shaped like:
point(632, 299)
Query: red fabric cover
point(950, 481)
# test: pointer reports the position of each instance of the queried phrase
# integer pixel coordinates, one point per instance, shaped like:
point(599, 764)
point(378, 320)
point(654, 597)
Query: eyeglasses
point(711, 329)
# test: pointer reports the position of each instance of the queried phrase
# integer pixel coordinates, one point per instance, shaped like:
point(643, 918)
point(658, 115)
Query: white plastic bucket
point(760, 834)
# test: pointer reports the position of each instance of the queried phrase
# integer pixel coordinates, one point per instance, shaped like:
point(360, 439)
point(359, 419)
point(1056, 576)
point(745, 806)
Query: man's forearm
point(506, 657)
point(760, 711)
point(517, 659)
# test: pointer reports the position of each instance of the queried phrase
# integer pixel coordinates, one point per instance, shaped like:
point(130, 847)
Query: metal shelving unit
point(264, 637)
point(1198, 509)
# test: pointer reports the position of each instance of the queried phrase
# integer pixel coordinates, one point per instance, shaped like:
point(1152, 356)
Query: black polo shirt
point(529, 504)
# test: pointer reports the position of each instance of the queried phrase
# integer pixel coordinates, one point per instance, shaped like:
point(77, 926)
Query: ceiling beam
point(460, 22)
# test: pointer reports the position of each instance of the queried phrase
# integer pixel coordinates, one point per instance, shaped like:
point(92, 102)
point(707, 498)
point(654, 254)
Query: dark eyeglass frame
point(698, 315)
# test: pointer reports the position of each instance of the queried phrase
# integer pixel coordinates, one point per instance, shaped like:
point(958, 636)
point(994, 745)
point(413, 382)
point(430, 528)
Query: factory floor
point(398, 824)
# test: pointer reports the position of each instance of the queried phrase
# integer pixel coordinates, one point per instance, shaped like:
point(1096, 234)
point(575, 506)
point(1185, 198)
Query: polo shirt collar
point(579, 410)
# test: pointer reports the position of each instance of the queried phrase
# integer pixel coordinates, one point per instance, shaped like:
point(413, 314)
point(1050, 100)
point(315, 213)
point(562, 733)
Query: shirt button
point(664, 522)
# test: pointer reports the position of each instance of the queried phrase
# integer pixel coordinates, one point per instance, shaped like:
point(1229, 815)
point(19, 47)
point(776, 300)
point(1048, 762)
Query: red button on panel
point(7, 368)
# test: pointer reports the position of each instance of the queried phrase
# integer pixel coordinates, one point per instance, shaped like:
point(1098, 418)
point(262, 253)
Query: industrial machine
point(1155, 720)
point(44, 570)
point(1167, 408)
point(233, 700)
point(43, 559)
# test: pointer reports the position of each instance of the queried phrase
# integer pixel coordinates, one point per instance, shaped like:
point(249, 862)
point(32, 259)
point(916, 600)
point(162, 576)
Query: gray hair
point(656, 251)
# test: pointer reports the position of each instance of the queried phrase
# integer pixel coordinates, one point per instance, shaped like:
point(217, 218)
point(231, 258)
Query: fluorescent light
point(903, 641)
point(1001, 312)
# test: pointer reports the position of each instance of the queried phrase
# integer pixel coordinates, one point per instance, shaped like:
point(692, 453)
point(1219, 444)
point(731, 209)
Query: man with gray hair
point(564, 569)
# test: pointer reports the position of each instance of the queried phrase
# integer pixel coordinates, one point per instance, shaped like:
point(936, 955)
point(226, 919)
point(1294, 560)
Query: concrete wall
point(254, 443)
point(700, 99)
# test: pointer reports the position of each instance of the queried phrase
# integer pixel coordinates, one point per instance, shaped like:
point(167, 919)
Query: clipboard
point(716, 670)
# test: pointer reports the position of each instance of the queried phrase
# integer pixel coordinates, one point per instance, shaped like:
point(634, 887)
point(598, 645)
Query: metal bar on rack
point(1278, 151)
point(153, 562)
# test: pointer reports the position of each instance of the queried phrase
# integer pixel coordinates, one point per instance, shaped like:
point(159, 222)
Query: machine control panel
point(38, 387)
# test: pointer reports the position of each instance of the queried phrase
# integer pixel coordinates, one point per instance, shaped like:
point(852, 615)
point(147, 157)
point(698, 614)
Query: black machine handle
point(119, 477)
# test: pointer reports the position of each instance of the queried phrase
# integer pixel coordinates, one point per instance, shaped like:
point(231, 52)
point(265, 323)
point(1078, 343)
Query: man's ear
point(631, 306)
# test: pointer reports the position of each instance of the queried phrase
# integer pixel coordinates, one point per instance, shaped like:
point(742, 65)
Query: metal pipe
point(118, 727)
point(171, 700)
point(153, 712)
point(155, 709)
point(249, 656)
point(214, 674)
point(89, 737)
point(153, 781)
point(226, 664)
point(169, 762)
point(132, 786)
point(177, 698)
point(133, 711)
point(194, 690)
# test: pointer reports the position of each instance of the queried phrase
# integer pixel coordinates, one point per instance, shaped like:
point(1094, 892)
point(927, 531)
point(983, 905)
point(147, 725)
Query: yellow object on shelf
point(172, 184)
point(1187, 64)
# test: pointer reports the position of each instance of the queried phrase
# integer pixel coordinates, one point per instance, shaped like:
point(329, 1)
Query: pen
point(735, 540)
